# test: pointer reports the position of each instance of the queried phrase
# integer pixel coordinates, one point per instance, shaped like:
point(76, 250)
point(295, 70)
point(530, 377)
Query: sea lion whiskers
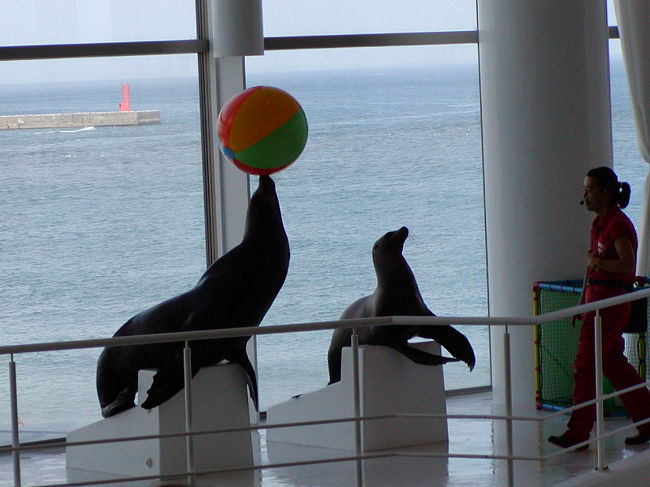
point(414, 238)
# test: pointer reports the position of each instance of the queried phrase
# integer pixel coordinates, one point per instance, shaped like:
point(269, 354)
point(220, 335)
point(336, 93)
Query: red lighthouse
point(125, 104)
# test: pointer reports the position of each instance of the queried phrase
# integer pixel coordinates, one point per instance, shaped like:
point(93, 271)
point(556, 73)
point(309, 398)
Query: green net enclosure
point(556, 344)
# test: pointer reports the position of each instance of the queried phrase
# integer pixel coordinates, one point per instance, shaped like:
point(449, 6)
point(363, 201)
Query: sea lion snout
point(265, 193)
point(398, 236)
point(263, 204)
point(266, 183)
point(403, 233)
point(392, 240)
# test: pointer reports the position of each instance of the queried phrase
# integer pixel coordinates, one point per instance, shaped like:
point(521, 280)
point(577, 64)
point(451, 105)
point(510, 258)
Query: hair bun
point(623, 196)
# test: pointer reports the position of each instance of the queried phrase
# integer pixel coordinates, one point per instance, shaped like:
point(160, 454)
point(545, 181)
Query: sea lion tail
point(452, 340)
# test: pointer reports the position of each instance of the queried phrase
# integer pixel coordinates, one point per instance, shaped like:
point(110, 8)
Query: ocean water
point(100, 223)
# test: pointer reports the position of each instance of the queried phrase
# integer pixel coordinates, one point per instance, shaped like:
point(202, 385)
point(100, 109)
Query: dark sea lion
point(237, 290)
point(397, 294)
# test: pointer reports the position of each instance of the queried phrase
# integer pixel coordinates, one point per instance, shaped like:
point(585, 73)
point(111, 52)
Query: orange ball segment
point(262, 130)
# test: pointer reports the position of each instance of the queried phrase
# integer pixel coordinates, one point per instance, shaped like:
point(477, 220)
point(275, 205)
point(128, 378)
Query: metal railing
point(359, 455)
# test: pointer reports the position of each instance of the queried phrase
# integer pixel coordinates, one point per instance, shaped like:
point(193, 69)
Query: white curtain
point(634, 28)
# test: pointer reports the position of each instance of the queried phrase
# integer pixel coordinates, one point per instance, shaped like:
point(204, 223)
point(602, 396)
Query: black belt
point(610, 283)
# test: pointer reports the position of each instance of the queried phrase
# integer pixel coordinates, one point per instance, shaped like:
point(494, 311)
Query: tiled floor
point(409, 469)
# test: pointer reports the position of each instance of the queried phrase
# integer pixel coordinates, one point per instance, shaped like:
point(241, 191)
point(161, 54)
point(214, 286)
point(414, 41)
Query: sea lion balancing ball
point(262, 130)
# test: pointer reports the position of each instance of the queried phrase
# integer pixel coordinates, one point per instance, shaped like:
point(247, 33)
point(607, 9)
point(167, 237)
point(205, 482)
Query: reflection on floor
point(479, 437)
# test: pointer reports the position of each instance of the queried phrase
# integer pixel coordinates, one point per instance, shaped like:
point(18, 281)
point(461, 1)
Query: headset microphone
point(582, 202)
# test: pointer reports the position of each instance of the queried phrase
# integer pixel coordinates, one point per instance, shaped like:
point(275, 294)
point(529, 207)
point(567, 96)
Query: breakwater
point(79, 120)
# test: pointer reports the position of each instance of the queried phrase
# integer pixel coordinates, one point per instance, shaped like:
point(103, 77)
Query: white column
point(235, 30)
point(238, 28)
point(546, 121)
point(231, 188)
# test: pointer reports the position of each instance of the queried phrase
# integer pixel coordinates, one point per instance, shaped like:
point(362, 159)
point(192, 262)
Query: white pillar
point(230, 185)
point(238, 28)
point(235, 30)
point(546, 121)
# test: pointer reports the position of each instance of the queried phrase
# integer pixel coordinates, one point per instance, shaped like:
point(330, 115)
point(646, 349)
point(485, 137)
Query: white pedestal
point(219, 400)
point(390, 383)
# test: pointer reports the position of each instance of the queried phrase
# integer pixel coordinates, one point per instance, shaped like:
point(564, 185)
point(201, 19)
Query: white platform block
point(219, 400)
point(390, 383)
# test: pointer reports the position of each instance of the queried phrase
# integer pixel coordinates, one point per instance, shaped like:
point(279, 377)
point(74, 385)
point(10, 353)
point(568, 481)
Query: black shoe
point(565, 442)
point(638, 439)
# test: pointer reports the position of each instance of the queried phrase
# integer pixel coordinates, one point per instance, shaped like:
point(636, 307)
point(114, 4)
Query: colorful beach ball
point(262, 130)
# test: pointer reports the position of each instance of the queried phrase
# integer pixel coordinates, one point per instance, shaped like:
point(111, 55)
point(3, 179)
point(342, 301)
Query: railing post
point(358, 438)
point(15, 439)
point(598, 373)
point(189, 440)
point(508, 407)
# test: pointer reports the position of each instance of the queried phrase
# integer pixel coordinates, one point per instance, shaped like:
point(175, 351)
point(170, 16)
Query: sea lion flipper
point(452, 340)
point(122, 402)
point(167, 381)
point(421, 357)
point(340, 339)
point(251, 379)
point(334, 364)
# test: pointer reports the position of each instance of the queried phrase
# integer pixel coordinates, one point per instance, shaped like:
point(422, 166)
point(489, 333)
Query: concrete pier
point(79, 120)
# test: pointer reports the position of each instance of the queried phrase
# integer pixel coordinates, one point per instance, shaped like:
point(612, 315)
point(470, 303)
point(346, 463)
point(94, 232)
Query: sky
point(32, 22)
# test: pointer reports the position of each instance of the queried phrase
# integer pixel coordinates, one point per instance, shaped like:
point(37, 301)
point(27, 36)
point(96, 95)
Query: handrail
point(323, 325)
point(193, 335)
point(360, 455)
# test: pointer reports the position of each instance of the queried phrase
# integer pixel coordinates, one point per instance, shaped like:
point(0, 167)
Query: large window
point(296, 17)
point(628, 163)
point(387, 147)
point(33, 22)
point(103, 222)
point(98, 223)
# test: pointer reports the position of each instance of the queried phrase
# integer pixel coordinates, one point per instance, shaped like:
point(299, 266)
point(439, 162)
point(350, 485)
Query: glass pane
point(611, 13)
point(386, 148)
point(366, 16)
point(628, 162)
point(382, 59)
point(98, 223)
point(123, 69)
point(612, 20)
point(30, 22)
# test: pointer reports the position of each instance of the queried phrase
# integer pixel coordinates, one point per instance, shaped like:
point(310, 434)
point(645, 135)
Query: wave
point(76, 130)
